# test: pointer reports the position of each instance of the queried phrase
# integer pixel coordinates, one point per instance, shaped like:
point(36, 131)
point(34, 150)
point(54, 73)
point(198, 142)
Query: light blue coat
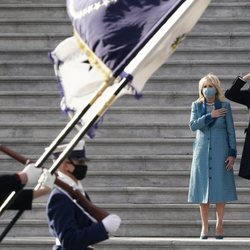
point(210, 182)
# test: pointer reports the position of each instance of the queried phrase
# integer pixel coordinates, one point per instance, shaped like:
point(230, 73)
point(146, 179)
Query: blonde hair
point(214, 80)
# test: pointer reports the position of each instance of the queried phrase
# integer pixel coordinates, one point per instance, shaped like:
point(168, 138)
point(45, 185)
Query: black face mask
point(80, 170)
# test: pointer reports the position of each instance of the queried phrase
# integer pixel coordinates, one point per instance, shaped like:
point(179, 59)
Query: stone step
point(175, 212)
point(121, 163)
point(182, 53)
point(173, 243)
point(178, 83)
point(146, 195)
point(114, 146)
point(150, 195)
point(203, 67)
point(33, 11)
point(26, 55)
point(141, 228)
point(141, 163)
point(27, 25)
point(109, 130)
point(227, 9)
point(113, 179)
point(28, 83)
point(138, 243)
point(62, 25)
point(188, 54)
point(30, 99)
point(212, 24)
point(118, 162)
point(194, 39)
point(29, 130)
point(23, 68)
point(145, 146)
point(161, 114)
point(155, 83)
point(153, 130)
point(180, 67)
point(49, 10)
point(145, 179)
point(23, 243)
point(161, 99)
point(52, 99)
point(31, 41)
point(116, 113)
point(216, 39)
point(207, 54)
point(33, 113)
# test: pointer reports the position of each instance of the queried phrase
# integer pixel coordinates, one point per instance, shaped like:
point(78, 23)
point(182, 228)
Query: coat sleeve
point(197, 120)
point(63, 222)
point(9, 183)
point(231, 131)
point(235, 93)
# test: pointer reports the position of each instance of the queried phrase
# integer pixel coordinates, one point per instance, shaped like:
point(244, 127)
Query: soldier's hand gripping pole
point(22, 160)
point(96, 212)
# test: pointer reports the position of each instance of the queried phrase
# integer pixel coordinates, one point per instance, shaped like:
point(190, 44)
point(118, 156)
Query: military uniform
point(72, 226)
point(12, 182)
point(69, 223)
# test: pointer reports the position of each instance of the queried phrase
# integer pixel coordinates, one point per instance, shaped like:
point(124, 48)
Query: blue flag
point(122, 39)
point(116, 29)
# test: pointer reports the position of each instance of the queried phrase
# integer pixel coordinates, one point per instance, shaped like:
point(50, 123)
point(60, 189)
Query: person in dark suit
point(72, 226)
point(237, 94)
point(15, 182)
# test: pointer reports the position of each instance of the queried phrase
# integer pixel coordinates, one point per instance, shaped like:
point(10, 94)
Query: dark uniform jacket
point(242, 97)
point(11, 182)
point(68, 223)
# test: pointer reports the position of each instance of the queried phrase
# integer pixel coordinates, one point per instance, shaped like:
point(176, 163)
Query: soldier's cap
point(78, 153)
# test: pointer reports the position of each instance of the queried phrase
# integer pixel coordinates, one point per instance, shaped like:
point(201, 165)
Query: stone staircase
point(141, 156)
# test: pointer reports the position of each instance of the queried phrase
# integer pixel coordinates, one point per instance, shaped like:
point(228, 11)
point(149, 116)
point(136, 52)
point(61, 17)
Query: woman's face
point(208, 90)
point(207, 84)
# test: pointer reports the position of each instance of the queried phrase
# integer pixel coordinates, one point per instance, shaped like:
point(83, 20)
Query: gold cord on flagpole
point(95, 61)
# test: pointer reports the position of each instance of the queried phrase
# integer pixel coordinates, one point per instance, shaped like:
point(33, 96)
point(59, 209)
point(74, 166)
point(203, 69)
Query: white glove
point(111, 223)
point(32, 173)
point(46, 179)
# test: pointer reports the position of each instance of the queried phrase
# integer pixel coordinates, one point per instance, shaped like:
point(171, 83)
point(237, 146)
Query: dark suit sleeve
point(9, 183)
point(64, 218)
point(235, 93)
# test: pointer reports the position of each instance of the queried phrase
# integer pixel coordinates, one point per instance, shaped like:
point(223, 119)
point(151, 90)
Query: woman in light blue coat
point(214, 153)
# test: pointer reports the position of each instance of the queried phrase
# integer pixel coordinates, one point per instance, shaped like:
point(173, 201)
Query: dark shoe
point(203, 237)
point(219, 237)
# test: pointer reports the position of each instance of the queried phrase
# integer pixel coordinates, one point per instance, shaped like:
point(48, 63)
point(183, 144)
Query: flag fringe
point(95, 61)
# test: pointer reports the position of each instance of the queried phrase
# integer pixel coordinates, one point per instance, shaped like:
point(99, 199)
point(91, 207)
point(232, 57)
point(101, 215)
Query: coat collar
point(203, 106)
point(217, 105)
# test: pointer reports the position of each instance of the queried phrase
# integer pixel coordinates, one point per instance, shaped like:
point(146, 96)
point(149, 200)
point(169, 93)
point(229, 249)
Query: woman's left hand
point(230, 162)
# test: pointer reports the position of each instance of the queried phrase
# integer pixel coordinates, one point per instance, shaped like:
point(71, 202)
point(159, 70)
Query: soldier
point(72, 226)
point(236, 94)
